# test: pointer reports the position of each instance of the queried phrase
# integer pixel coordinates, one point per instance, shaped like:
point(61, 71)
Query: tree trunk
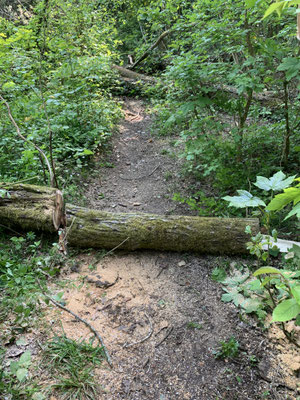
point(31, 207)
point(39, 208)
point(91, 228)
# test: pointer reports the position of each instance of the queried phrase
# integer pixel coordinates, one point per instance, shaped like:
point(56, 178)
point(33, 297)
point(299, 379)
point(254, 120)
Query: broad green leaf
point(274, 7)
point(291, 194)
point(248, 229)
point(21, 374)
point(296, 293)
point(8, 85)
point(38, 396)
point(255, 285)
point(245, 199)
point(237, 279)
point(14, 365)
point(233, 295)
point(286, 310)
point(296, 250)
point(267, 270)
point(294, 211)
point(275, 183)
point(21, 342)
point(87, 152)
point(25, 357)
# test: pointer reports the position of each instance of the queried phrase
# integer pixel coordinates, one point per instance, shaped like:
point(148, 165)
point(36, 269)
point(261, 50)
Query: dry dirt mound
point(161, 318)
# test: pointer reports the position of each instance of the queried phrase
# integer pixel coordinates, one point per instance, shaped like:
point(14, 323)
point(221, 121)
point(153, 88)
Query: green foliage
point(276, 183)
point(242, 291)
point(20, 368)
point(55, 73)
point(290, 195)
point(288, 284)
point(216, 62)
point(218, 274)
point(245, 199)
point(194, 325)
point(228, 349)
point(279, 6)
point(73, 363)
point(20, 264)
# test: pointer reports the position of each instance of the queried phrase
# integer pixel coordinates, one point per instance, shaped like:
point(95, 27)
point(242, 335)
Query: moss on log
point(38, 208)
point(31, 207)
point(91, 228)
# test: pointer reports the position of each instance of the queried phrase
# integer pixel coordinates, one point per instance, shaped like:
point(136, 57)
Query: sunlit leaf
point(275, 183)
point(286, 310)
point(267, 270)
point(245, 199)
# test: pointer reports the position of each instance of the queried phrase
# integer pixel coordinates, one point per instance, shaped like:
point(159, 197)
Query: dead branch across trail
point(32, 207)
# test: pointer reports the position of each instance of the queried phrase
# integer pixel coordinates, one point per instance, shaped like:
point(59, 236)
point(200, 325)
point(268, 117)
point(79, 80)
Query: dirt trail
point(162, 318)
point(142, 173)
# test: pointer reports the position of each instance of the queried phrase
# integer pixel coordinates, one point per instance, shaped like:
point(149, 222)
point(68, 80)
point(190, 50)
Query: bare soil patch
point(162, 320)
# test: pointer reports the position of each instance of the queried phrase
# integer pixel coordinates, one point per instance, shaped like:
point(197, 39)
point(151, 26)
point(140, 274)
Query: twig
point(93, 330)
point(115, 248)
point(145, 338)
point(68, 229)
point(141, 177)
point(165, 337)
point(161, 270)
point(6, 227)
point(28, 141)
point(50, 131)
point(109, 252)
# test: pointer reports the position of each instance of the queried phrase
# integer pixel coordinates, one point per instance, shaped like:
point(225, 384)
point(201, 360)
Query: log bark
point(38, 208)
point(134, 76)
point(31, 207)
point(92, 228)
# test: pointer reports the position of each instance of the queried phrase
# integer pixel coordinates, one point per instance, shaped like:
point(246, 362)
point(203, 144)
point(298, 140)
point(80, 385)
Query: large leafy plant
point(276, 183)
point(280, 288)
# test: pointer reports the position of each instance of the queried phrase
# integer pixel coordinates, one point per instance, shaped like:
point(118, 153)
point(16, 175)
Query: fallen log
point(92, 228)
point(265, 96)
point(134, 76)
point(38, 208)
point(31, 207)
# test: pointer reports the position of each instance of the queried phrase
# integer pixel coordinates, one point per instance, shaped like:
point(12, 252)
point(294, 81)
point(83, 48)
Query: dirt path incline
point(142, 173)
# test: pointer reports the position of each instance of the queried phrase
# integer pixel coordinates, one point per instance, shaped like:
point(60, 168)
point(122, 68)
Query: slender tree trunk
point(286, 144)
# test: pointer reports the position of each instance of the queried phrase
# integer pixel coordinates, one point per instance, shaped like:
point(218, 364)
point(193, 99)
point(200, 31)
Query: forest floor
point(160, 314)
point(168, 298)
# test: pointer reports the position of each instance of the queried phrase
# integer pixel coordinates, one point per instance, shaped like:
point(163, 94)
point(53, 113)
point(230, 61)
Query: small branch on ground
point(165, 337)
point(109, 252)
point(93, 330)
point(145, 338)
